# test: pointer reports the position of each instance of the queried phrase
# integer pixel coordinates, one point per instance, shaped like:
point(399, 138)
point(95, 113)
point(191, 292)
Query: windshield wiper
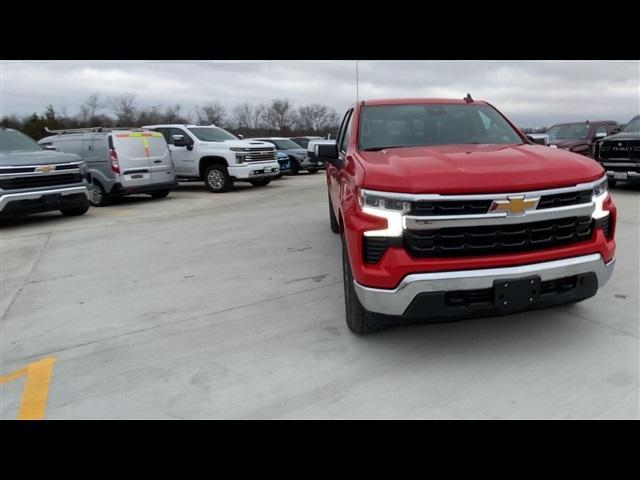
point(377, 149)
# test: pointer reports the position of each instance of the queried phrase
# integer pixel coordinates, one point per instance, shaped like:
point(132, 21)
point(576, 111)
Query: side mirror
point(49, 147)
point(600, 135)
point(240, 136)
point(328, 153)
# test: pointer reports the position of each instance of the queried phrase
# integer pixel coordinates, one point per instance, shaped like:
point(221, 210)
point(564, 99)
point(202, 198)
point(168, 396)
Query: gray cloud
point(531, 93)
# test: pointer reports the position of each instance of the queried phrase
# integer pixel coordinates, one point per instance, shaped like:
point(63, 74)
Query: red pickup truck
point(447, 210)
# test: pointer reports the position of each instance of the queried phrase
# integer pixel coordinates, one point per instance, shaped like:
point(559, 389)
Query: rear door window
point(139, 145)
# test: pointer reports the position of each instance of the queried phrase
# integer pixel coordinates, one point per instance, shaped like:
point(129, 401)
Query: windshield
point(284, 144)
point(303, 142)
point(423, 125)
point(633, 126)
point(212, 134)
point(573, 131)
point(14, 141)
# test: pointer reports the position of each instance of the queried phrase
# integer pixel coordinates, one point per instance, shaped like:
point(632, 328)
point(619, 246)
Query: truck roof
point(405, 101)
point(177, 125)
point(610, 122)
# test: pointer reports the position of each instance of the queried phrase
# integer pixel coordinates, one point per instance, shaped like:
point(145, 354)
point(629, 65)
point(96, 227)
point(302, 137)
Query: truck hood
point(466, 169)
point(44, 157)
point(236, 144)
point(567, 142)
point(623, 136)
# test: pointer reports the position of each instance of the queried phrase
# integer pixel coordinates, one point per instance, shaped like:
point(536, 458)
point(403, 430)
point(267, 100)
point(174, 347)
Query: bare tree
point(124, 108)
point(174, 115)
point(211, 113)
point(280, 114)
point(91, 108)
point(242, 115)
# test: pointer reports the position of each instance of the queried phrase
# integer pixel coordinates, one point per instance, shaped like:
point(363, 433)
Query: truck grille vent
point(373, 248)
point(37, 181)
point(565, 199)
point(464, 207)
point(484, 240)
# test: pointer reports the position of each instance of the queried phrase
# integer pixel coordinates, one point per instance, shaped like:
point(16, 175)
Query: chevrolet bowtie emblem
point(515, 205)
point(44, 169)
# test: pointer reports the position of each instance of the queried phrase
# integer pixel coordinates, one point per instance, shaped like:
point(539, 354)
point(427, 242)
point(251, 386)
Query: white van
point(121, 161)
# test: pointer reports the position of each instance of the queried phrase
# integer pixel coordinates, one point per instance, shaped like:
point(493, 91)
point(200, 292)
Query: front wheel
point(262, 182)
point(160, 194)
point(217, 179)
point(74, 212)
point(295, 167)
point(359, 320)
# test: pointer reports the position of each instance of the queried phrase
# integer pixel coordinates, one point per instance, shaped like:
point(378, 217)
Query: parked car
point(218, 157)
point(446, 210)
point(299, 160)
point(35, 179)
point(303, 141)
point(619, 154)
point(284, 163)
point(580, 137)
point(121, 161)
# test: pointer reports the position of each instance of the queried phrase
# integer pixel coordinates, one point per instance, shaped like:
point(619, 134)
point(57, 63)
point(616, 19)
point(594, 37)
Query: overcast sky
point(530, 93)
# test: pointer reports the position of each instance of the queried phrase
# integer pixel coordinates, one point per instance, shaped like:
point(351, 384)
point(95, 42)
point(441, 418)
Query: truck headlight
point(600, 188)
point(385, 207)
point(239, 158)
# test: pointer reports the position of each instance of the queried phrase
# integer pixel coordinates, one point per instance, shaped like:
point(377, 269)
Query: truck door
point(185, 159)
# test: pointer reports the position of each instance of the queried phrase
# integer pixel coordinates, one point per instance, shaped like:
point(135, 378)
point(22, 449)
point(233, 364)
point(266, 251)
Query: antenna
point(468, 98)
point(357, 83)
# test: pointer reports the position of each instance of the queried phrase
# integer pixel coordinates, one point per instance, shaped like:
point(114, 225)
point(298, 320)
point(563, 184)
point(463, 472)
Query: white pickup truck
point(218, 157)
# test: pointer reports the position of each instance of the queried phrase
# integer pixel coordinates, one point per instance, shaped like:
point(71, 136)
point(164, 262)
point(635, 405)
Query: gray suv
point(34, 179)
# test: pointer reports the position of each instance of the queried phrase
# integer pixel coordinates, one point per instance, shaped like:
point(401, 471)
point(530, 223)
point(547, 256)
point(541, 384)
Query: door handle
point(157, 161)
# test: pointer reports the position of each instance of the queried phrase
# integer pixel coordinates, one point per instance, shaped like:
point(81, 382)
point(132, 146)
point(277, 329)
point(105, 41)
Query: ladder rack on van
point(92, 129)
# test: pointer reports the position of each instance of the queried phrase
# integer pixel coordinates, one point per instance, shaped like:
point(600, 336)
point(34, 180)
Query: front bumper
point(254, 170)
point(44, 200)
point(628, 176)
point(408, 299)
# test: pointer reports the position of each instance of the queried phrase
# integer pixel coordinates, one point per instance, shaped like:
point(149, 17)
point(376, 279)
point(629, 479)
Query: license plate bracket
point(51, 198)
point(516, 293)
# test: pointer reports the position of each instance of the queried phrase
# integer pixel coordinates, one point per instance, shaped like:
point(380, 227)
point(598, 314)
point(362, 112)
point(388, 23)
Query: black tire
point(333, 221)
point(312, 170)
point(278, 176)
point(359, 320)
point(261, 182)
point(160, 193)
point(98, 197)
point(75, 212)
point(295, 167)
point(217, 179)
point(611, 182)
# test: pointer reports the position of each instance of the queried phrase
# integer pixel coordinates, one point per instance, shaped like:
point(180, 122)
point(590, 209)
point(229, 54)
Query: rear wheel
point(160, 193)
point(217, 179)
point(260, 182)
point(98, 197)
point(74, 212)
point(359, 320)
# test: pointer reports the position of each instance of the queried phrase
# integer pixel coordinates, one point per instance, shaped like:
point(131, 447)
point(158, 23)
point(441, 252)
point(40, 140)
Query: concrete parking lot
point(231, 306)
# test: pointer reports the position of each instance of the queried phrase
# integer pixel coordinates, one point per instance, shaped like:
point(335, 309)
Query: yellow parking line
point(36, 388)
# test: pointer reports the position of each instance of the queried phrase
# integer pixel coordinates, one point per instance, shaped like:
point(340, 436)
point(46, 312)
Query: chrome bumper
point(7, 198)
point(396, 301)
